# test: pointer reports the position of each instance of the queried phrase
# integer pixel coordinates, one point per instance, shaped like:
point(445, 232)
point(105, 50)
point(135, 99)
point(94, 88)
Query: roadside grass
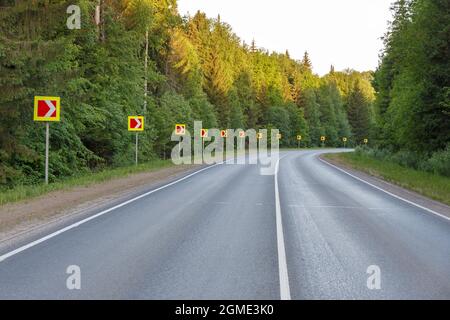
point(430, 185)
point(19, 193)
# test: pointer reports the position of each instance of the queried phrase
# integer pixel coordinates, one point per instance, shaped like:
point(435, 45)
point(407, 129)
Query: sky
point(343, 33)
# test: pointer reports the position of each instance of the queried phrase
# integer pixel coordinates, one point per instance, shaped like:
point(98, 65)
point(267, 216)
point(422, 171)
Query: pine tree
point(306, 61)
point(358, 115)
point(332, 70)
point(287, 54)
point(253, 47)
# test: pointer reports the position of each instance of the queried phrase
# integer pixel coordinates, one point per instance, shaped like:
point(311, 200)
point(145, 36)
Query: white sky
point(345, 33)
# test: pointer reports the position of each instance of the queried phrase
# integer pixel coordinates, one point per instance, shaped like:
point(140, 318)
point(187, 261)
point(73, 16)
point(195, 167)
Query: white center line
point(285, 291)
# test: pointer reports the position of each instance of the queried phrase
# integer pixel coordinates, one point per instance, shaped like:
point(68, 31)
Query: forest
point(141, 57)
point(412, 83)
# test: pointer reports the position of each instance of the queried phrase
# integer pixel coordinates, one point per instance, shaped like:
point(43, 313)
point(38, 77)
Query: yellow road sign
point(259, 135)
point(224, 133)
point(344, 139)
point(136, 123)
point(323, 138)
point(180, 129)
point(299, 137)
point(366, 141)
point(47, 108)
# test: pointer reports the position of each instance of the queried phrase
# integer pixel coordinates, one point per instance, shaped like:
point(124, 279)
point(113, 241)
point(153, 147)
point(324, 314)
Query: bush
point(439, 163)
point(407, 159)
point(376, 153)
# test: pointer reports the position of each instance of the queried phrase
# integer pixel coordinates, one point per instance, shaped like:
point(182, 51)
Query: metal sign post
point(137, 148)
point(47, 143)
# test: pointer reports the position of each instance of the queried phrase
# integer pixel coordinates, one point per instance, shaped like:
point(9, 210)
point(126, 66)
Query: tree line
point(142, 57)
point(412, 82)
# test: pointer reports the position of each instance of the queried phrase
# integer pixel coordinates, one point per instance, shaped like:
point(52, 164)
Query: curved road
point(214, 235)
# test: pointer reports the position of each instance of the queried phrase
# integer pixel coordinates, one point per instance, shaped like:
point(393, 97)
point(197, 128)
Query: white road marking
point(325, 207)
point(51, 108)
point(285, 291)
point(336, 207)
point(387, 192)
point(76, 224)
point(138, 123)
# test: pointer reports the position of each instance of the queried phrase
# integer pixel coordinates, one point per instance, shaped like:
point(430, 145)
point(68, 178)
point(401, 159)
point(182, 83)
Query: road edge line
point(387, 192)
point(285, 292)
point(83, 221)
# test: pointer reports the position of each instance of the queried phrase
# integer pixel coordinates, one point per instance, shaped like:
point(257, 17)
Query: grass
point(30, 191)
point(430, 185)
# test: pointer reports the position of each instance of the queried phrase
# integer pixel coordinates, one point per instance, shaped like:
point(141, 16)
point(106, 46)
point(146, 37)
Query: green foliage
point(412, 81)
point(438, 163)
point(359, 115)
point(309, 104)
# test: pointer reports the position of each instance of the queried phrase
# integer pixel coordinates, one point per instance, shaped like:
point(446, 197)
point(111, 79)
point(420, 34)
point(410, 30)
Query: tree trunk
point(145, 70)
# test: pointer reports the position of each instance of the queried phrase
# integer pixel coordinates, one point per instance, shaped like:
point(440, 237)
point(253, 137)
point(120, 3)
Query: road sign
point(223, 133)
point(136, 123)
point(47, 108)
point(241, 134)
point(204, 133)
point(366, 141)
point(344, 139)
point(299, 138)
point(259, 135)
point(279, 136)
point(180, 129)
point(323, 138)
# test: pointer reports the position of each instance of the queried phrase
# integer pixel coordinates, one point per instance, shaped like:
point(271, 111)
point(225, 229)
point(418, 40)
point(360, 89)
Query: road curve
point(336, 227)
point(214, 236)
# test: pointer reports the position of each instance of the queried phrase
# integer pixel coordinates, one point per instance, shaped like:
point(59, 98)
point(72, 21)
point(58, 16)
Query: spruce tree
point(358, 115)
point(306, 61)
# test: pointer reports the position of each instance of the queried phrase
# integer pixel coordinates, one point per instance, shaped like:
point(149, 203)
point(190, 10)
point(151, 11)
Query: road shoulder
point(401, 192)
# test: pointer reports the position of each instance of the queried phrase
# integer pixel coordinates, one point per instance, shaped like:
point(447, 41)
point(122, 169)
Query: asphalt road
point(219, 235)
